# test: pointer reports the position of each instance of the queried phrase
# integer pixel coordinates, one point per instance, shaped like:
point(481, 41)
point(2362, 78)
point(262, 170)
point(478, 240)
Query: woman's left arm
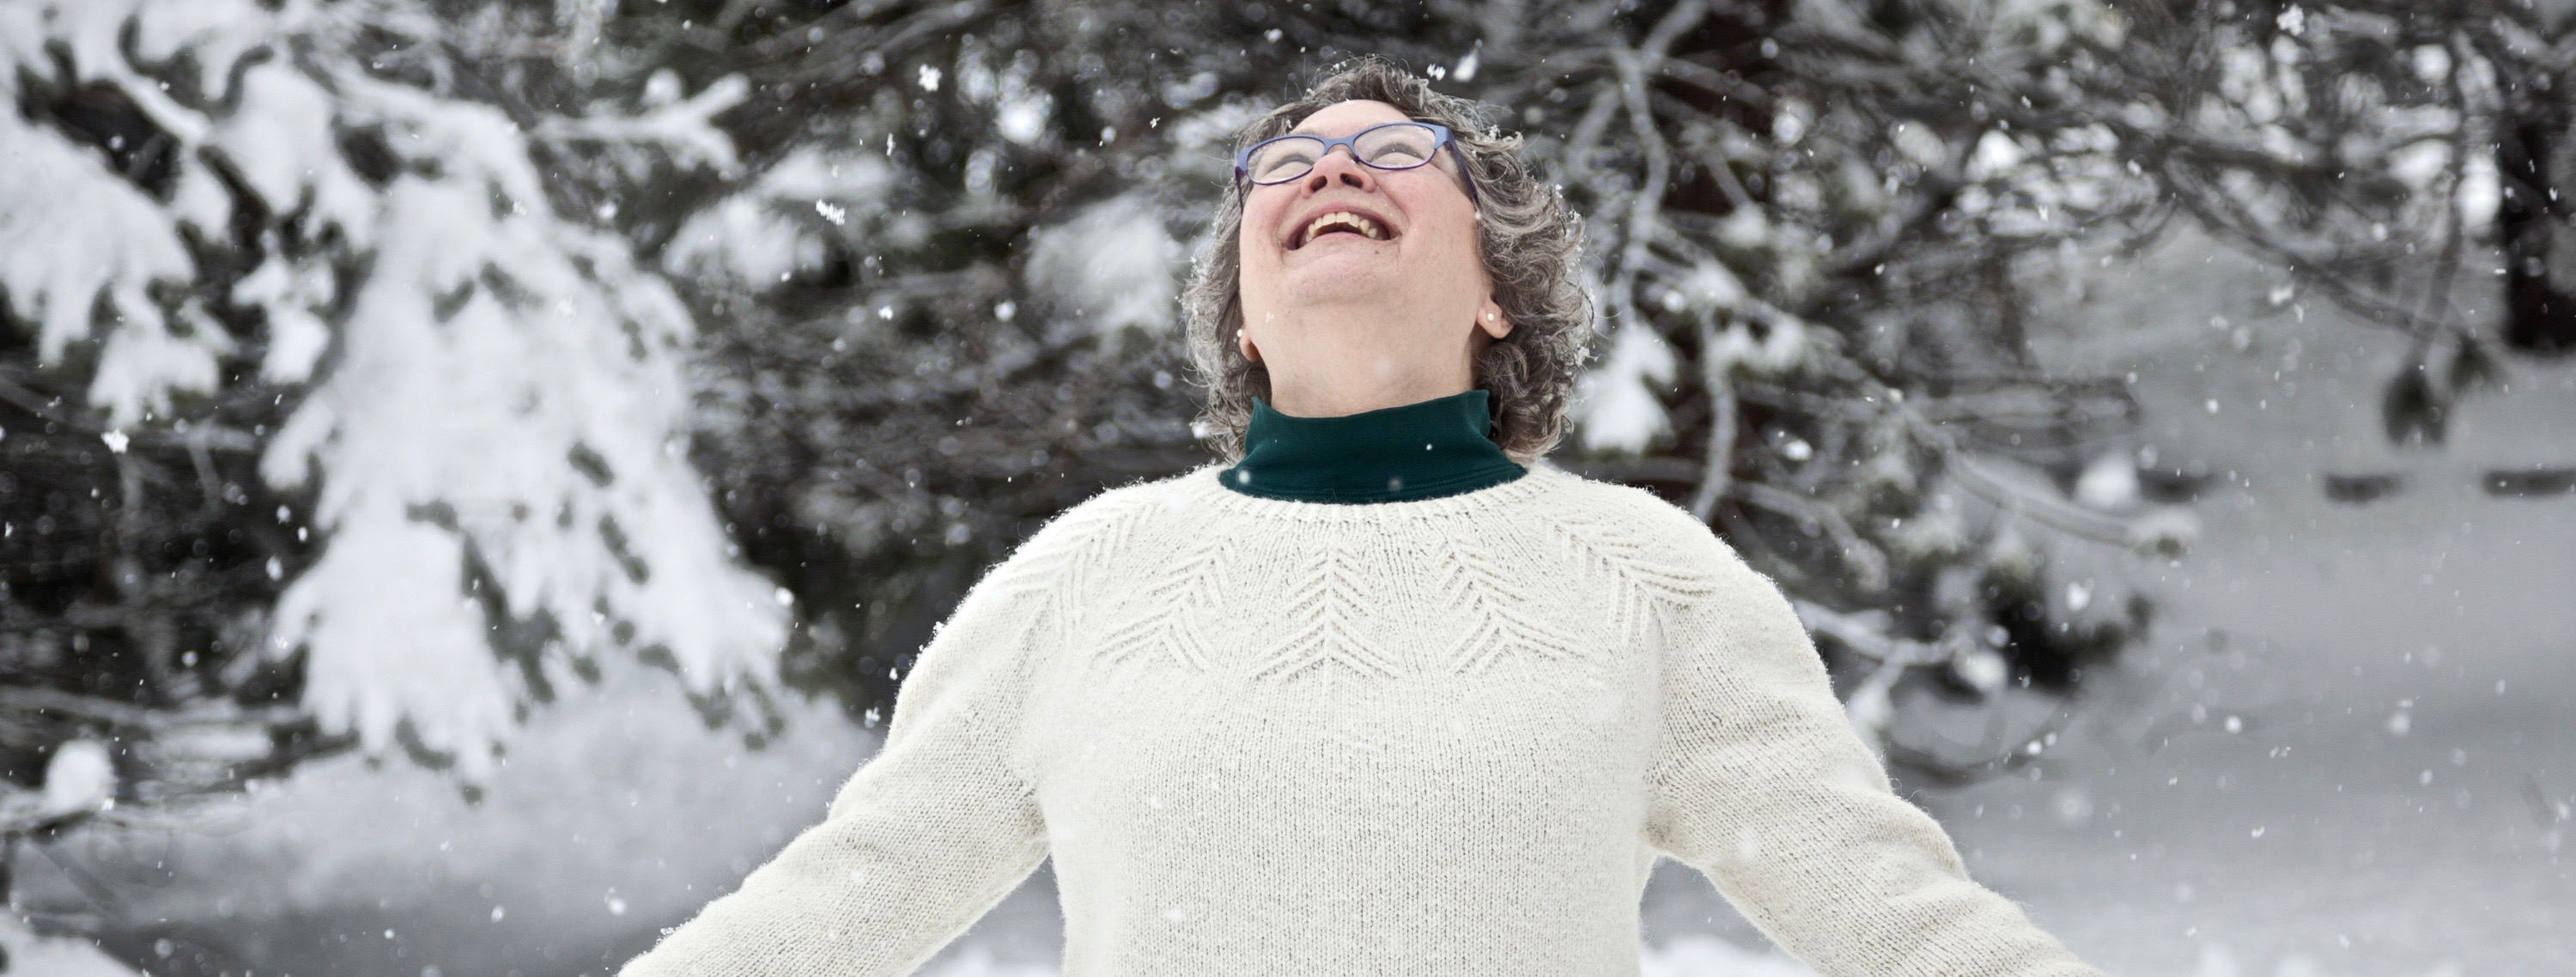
point(1762, 785)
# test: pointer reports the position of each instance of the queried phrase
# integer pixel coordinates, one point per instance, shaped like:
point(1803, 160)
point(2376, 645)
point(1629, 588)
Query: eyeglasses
point(1385, 146)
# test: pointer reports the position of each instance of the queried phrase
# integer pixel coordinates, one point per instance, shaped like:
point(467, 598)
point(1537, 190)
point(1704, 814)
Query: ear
point(1490, 318)
point(1243, 341)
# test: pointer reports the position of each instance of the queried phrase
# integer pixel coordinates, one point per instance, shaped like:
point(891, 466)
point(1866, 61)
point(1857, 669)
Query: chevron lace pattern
point(1166, 624)
point(1471, 578)
point(1327, 599)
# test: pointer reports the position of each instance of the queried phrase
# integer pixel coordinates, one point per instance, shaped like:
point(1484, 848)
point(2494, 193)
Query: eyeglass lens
point(1394, 147)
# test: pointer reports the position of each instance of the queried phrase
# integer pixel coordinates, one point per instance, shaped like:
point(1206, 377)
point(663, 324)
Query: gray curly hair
point(1528, 237)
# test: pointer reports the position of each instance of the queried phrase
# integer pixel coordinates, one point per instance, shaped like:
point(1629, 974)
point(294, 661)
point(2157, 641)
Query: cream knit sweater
point(1438, 736)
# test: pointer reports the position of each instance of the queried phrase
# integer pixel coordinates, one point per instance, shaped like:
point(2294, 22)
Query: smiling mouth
point(1339, 222)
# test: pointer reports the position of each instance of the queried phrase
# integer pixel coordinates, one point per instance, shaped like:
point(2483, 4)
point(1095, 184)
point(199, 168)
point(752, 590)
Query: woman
point(1383, 694)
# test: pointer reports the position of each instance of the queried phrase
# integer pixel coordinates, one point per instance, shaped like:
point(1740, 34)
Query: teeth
point(1367, 228)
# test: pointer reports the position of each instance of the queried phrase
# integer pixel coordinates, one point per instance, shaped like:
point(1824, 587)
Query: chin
point(1342, 278)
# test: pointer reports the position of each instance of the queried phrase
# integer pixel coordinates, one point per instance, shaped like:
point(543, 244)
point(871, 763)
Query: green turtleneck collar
point(1436, 447)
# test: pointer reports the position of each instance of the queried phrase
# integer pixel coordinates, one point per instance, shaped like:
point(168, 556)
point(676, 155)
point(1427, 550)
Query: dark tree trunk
point(2540, 301)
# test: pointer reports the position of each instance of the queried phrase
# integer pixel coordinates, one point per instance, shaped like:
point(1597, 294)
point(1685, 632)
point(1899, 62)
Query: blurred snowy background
point(473, 473)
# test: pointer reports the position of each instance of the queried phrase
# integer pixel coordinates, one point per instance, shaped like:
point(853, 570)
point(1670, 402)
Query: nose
point(1344, 169)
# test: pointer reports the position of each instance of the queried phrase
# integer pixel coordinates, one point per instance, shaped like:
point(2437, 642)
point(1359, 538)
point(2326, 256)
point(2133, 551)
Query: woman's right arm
point(923, 839)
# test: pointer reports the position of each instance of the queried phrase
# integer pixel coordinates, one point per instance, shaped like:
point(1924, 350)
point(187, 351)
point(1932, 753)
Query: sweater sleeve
point(1762, 785)
point(921, 841)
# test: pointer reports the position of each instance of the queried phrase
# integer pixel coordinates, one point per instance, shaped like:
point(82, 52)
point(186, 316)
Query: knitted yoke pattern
point(1440, 736)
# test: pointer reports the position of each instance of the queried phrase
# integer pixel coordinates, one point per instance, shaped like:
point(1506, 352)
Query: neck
point(1426, 449)
point(1339, 361)
point(1306, 403)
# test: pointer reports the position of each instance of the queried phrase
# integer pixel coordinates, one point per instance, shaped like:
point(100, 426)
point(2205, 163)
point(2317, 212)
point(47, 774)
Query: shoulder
point(1584, 496)
point(1106, 514)
point(1664, 550)
point(1643, 526)
point(1637, 517)
point(1086, 529)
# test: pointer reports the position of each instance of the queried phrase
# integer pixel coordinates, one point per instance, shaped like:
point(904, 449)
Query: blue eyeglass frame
point(1439, 133)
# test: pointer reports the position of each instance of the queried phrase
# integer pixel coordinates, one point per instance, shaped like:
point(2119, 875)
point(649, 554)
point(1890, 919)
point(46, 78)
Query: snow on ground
point(2325, 836)
point(617, 814)
point(2399, 670)
point(53, 956)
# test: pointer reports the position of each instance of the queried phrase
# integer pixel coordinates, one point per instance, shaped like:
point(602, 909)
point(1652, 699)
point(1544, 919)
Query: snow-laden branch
point(684, 129)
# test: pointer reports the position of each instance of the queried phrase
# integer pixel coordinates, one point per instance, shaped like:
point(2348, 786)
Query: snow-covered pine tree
point(327, 419)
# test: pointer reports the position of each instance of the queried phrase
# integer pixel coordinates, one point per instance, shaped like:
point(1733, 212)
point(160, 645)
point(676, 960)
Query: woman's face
point(1389, 311)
